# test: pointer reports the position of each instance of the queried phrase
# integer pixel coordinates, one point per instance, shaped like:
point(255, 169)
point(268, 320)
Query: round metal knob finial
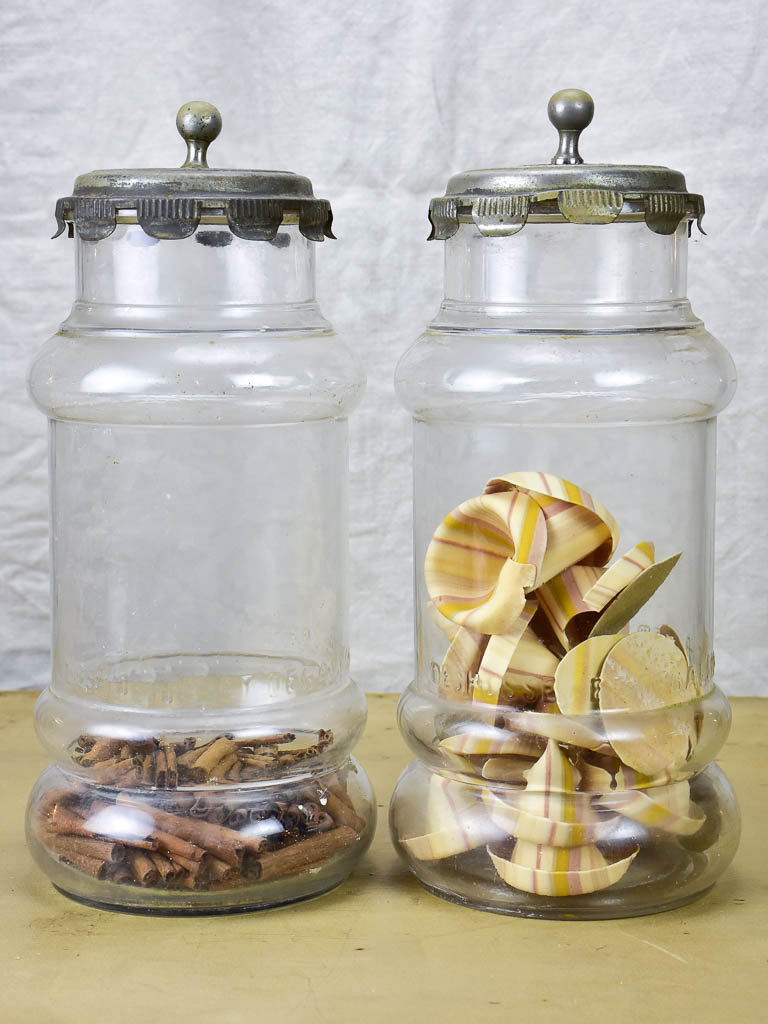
point(199, 124)
point(570, 111)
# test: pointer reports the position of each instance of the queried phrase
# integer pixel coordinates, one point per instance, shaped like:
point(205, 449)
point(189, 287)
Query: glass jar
point(564, 716)
point(201, 716)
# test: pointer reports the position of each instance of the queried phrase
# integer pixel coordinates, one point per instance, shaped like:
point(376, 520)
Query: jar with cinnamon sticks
point(201, 718)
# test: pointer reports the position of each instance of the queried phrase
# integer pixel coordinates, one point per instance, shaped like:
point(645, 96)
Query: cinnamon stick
point(341, 810)
point(290, 860)
point(139, 844)
point(205, 763)
point(114, 771)
point(147, 768)
point(267, 741)
point(171, 767)
point(143, 867)
point(66, 821)
point(100, 849)
point(94, 866)
point(101, 749)
point(223, 842)
point(220, 769)
point(188, 758)
point(161, 768)
point(55, 798)
point(173, 846)
point(165, 867)
point(257, 761)
point(219, 870)
point(194, 867)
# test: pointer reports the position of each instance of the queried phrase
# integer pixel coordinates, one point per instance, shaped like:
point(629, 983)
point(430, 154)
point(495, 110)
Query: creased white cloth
point(379, 103)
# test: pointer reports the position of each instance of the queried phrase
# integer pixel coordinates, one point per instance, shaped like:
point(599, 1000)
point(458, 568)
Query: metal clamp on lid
point(170, 202)
point(500, 200)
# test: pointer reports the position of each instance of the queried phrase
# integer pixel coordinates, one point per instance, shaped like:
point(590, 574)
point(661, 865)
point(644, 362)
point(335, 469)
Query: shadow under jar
point(564, 715)
point(201, 715)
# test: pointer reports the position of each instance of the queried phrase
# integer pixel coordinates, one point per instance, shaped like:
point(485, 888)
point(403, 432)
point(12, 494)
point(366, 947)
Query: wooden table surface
point(380, 948)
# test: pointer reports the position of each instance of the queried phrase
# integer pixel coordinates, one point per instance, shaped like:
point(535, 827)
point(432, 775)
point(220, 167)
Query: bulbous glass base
point(205, 849)
point(598, 856)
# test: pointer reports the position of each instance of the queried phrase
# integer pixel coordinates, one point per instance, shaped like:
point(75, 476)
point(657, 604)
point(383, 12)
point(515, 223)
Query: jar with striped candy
point(564, 717)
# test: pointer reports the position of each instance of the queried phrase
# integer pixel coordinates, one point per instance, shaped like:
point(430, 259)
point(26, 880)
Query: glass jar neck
point(568, 276)
point(211, 280)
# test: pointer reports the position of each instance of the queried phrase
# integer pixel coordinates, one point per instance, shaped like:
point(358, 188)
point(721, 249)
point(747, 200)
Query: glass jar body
point(198, 407)
point(566, 378)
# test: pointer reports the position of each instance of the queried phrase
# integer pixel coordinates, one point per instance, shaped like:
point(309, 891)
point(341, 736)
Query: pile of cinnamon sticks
point(159, 763)
point(197, 840)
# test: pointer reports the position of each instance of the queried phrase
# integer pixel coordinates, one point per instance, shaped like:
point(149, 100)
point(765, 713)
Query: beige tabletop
point(380, 948)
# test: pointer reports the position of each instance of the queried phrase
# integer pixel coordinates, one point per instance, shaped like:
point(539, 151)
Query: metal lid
point(169, 202)
point(501, 200)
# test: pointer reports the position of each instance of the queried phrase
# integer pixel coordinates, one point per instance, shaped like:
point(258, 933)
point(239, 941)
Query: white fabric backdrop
point(379, 103)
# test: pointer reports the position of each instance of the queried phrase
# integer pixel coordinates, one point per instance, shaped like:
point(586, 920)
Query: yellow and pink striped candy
point(553, 871)
point(550, 811)
point(456, 821)
point(497, 657)
point(619, 575)
point(530, 672)
point(579, 529)
point(555, 828)
point(483, 558)
point(573, 599)
point(512, 816)
point(515, 665)
point(562, 599)
point(557, 727)
point(492, 742)
point(461, 663)
point(574, 674)
point(667, 808)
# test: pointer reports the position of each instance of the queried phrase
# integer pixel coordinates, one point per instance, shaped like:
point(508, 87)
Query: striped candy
point(483, 558)
point(568, 872)
point(515, 665)
point(555, 828)
point(573, 599)
point(456, 821)
point(513, 817)
point(461, 664)
point(579, 529)
point(667, 808)
point(574, 674)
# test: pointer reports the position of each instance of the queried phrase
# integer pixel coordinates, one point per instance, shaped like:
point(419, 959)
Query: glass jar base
point(480, 845)
point(560, 913)
point(196, 911)
point(214, 849)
